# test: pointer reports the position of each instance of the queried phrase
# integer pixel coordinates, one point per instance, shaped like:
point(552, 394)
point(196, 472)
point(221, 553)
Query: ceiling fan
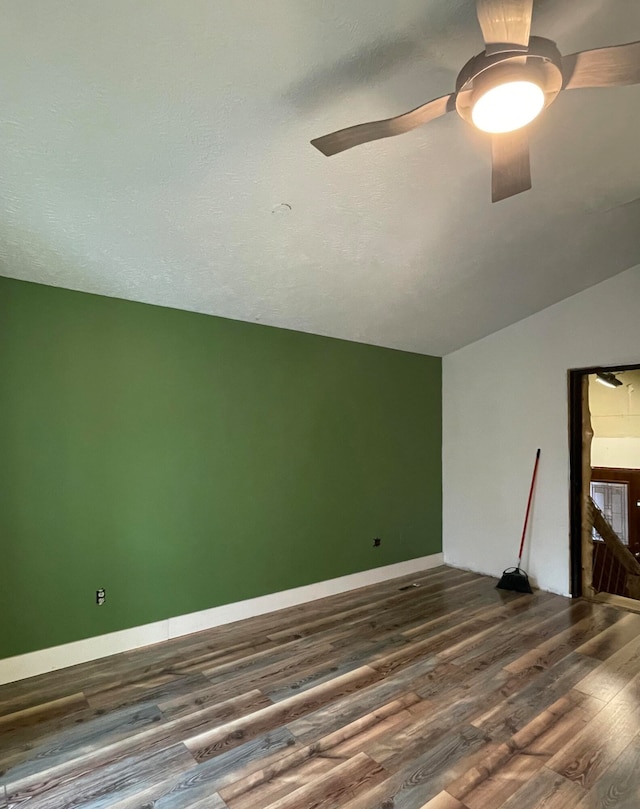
point(503, 89)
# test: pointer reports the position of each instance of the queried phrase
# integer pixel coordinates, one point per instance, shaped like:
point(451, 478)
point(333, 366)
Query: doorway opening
point(604, 424)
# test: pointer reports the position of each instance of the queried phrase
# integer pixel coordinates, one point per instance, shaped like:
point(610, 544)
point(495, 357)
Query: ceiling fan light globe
point(508, 106)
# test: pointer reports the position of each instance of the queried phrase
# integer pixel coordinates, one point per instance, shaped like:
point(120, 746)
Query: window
point(612, 499)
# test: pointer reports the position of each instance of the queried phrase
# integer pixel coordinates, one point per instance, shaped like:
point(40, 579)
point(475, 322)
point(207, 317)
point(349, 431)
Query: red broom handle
point(526, 516)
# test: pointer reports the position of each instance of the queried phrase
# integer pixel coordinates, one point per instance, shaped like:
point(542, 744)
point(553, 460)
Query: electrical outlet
point(101, 596)
point(376, 542)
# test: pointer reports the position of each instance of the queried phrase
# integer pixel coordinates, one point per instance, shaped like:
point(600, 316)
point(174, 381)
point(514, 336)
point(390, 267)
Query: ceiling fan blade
point(602, 67)
point(505, 22)
point(511, 172)
point(363, 133)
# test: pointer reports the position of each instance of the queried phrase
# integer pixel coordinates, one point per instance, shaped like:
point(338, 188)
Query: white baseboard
point(82, 651)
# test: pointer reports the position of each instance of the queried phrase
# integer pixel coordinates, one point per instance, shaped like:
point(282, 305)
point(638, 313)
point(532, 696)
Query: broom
point(514, 578)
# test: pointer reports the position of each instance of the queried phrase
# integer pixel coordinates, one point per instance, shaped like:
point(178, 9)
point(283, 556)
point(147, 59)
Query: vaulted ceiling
point(158, 150)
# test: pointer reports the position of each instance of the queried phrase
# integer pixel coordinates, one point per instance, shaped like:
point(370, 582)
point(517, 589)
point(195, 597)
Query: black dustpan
point(514, 578)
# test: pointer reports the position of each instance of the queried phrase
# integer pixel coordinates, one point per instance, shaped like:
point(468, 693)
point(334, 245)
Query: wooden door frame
point(576, 466)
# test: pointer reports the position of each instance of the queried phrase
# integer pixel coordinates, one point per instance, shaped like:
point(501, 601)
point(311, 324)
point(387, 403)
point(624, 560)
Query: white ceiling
point(148, 148)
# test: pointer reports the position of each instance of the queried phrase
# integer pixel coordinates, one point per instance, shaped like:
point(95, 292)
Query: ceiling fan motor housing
point(540, 64)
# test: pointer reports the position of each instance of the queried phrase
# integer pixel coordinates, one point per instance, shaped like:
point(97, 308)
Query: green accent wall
point(183, 461)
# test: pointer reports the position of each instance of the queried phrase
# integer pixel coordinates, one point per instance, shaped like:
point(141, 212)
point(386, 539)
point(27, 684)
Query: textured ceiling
point(158, 150)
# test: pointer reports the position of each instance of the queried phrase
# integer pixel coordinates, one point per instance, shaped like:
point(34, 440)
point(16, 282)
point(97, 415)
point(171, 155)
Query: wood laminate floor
point(445, 695)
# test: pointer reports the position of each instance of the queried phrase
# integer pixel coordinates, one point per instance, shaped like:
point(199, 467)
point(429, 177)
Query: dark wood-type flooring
point(448, 694)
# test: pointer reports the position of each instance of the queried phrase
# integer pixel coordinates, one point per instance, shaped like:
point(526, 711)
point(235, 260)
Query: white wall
point(615, 418)
point(619, 453)
point(503, 397)
point(615, 412)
